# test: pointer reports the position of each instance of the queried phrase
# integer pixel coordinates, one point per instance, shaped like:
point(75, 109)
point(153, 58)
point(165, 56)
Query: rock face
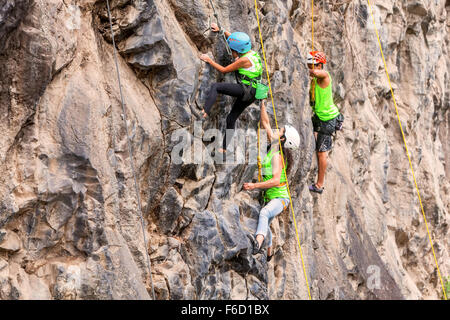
point(69, 224)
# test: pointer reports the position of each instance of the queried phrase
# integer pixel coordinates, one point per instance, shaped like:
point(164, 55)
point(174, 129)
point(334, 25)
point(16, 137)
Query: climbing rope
point(406, 149)
point(222, 34)
point(130, 151)
point(281, 149)
point(259, 153)
point(221, 31)
point(313, 84)
point(312, 26)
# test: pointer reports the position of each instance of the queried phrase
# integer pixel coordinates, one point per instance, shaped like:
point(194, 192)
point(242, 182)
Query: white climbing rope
point(221, 31)
point(130, 151)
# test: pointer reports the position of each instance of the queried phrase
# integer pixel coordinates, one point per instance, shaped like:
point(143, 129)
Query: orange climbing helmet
point(316, 57)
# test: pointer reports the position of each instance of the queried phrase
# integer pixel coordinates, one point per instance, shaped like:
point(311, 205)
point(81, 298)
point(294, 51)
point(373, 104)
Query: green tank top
point(275, 192)
point(324, 107)
point(255, 70)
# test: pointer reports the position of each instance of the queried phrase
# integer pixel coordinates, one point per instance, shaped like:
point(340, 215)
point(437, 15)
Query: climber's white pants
point(266, 215)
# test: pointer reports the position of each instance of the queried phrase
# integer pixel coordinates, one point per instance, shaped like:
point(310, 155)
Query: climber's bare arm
point(265, 122)
point(322, 77)
point(317, 73)
point(275, 181)
point(242, 62)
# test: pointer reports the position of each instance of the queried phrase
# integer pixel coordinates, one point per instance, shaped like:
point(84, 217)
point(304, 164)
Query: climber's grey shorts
point(324, 129)
point(324, 142)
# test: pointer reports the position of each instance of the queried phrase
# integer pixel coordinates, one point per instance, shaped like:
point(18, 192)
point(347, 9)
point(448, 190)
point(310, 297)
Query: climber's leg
point(267, 214)
point(236, 111)
point(269, 235)
point(324, 143)
point(230, 89)
point(322, 160)
point(269, 244)
point(269, 253)
point(238, 107)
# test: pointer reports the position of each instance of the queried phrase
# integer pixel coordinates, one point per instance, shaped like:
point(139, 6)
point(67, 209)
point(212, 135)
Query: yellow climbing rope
point(312, 26)
point(259, 153)
point(406, 148)
point(313, 84)
point(281, 149)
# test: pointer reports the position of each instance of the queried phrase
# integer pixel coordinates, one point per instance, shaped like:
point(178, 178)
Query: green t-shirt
point(324, 107)
point(275, 192)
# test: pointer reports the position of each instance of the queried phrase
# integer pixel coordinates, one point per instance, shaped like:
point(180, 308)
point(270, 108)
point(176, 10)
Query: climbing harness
point(281, 149)
point(251, 77)
point(406, 149)
point(130, 150)
point(339, 122)
point(254, 72)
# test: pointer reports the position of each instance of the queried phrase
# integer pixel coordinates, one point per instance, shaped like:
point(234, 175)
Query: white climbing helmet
point(310, 59)
point(292, 137)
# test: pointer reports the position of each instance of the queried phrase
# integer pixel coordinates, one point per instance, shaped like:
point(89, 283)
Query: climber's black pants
point(234, 90)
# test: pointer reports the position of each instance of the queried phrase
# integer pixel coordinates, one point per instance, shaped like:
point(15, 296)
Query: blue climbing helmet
point(240, 42)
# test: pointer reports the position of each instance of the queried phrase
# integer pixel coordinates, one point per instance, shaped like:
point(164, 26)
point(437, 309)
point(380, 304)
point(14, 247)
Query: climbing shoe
point(269, 257)
point(313, 188)
point(256, 248)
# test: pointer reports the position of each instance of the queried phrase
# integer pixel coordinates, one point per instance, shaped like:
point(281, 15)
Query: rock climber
point(326, 114)
point(276, 194)
point(249, 67)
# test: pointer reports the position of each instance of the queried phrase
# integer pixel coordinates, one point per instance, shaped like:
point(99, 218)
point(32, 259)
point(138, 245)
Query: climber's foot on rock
point(256, 247)
point(315, 188)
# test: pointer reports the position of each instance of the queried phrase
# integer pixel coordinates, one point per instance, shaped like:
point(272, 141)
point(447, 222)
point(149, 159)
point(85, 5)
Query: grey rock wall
point(69, 224)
